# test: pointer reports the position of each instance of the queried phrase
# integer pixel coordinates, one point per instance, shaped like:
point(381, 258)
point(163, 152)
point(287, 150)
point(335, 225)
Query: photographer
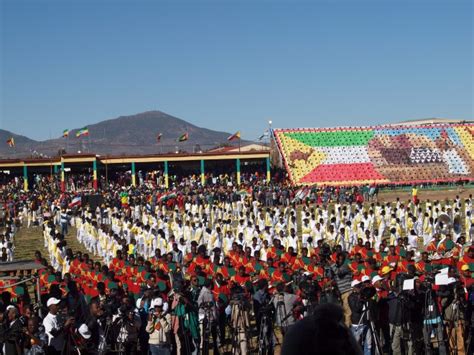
point(358, 316)
point(158, 327)
point(91, 345)
point(260, 300)
point(401, 305)
point(55, 327)
point(129, 327)
point(343, 278)
point(284, 302)
point(453, 306)
point(207, 316)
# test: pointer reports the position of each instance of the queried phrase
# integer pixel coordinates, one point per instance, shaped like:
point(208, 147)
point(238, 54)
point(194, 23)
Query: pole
point(25, 178)
point(166, 174)
point(106, 173)
point(237, 165)
point(63, 181)
point(267, 159)
point(134, 181)
point(203, 180)
point(94, 169)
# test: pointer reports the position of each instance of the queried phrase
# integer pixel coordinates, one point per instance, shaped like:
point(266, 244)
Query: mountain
point(22, 147)
point(128, 135)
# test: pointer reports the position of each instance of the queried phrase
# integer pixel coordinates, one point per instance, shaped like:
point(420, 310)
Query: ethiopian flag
point(82, 132)
point(236, 135)
point(11, 142)
point(183, 137)
point(66, 133)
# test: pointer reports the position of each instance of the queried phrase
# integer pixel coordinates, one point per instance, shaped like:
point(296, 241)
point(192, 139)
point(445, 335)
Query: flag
point(76, 201)
point(82, 132)
point(158, 137)
point(183, 137)
point(236, 135)
point(66, 133)
point(264, 135)
point(11, 142)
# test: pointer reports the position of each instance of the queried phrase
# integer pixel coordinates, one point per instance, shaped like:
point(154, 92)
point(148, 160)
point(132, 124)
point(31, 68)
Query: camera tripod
point(206, 331)
point(367, 314)
point(267, 339)
point(433, 326)
point(240, 325)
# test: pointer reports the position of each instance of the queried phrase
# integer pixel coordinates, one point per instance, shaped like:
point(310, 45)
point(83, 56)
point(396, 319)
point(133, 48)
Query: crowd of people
point(237, 268)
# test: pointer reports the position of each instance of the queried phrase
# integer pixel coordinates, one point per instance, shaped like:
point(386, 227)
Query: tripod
point(240, 326)
point(206, 327)
point(281, 314)
point(371, 330)
point(433, 326)
point(267, 338)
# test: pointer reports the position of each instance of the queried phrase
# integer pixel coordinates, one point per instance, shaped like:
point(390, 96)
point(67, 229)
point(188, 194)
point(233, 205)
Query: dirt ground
point(387, 196)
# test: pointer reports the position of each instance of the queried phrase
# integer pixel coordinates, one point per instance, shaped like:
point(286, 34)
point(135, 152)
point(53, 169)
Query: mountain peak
point(125, 135)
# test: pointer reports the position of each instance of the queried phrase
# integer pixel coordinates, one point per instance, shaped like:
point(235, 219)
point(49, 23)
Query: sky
point(234, 65)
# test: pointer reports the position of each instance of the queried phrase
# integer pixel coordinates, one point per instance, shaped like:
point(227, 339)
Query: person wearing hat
point(55, 326)
point(12, 334)
point(356, 305)
point(158, 326)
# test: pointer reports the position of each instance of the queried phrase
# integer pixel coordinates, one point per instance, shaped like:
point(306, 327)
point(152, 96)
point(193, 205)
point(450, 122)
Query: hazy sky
point(233, 65)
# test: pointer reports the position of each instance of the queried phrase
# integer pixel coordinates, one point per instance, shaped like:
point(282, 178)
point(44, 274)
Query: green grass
point(28, 240)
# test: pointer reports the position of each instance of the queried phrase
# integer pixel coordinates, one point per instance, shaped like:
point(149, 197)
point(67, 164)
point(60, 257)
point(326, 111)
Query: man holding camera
point(343, 278)
point(158, 327)
point(55, 327)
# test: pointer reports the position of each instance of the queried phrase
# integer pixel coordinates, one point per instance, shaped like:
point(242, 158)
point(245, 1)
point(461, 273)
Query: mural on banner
point(381, 154)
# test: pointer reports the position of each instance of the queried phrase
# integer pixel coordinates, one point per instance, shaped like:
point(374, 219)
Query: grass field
point(28, 240)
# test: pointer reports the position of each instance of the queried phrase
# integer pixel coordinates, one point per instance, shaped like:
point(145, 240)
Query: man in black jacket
point(13, 333)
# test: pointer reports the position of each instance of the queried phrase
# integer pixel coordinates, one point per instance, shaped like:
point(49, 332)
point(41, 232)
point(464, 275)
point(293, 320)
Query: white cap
point(376, 278)
point(157, 302)
point(451, 280)
point(52, 301)
point(84, 331)
point(10, 307)
point(354, 283)
point(138, 303)
point(365, 278)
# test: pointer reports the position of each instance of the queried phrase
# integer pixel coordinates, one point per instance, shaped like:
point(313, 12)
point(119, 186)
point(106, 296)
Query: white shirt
point(51, 322)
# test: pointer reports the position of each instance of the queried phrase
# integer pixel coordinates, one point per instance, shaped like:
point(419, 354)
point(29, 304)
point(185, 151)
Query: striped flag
point(183, 137)
point(236, 135)
point(11, 142)
point(82, 132)
point(158, 137)
point(76, 201)
point(66, 133)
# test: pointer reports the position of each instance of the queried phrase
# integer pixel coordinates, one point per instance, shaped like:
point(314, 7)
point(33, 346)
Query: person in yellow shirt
point(414, 194)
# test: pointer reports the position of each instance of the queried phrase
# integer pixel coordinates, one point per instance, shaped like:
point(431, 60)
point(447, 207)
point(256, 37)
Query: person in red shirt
point(241, 278)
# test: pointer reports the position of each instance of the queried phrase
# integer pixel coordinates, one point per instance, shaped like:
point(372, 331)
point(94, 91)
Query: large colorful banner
point(380, 154)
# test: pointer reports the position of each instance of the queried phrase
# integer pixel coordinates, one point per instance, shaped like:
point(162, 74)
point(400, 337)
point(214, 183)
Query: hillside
point(125, 135)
